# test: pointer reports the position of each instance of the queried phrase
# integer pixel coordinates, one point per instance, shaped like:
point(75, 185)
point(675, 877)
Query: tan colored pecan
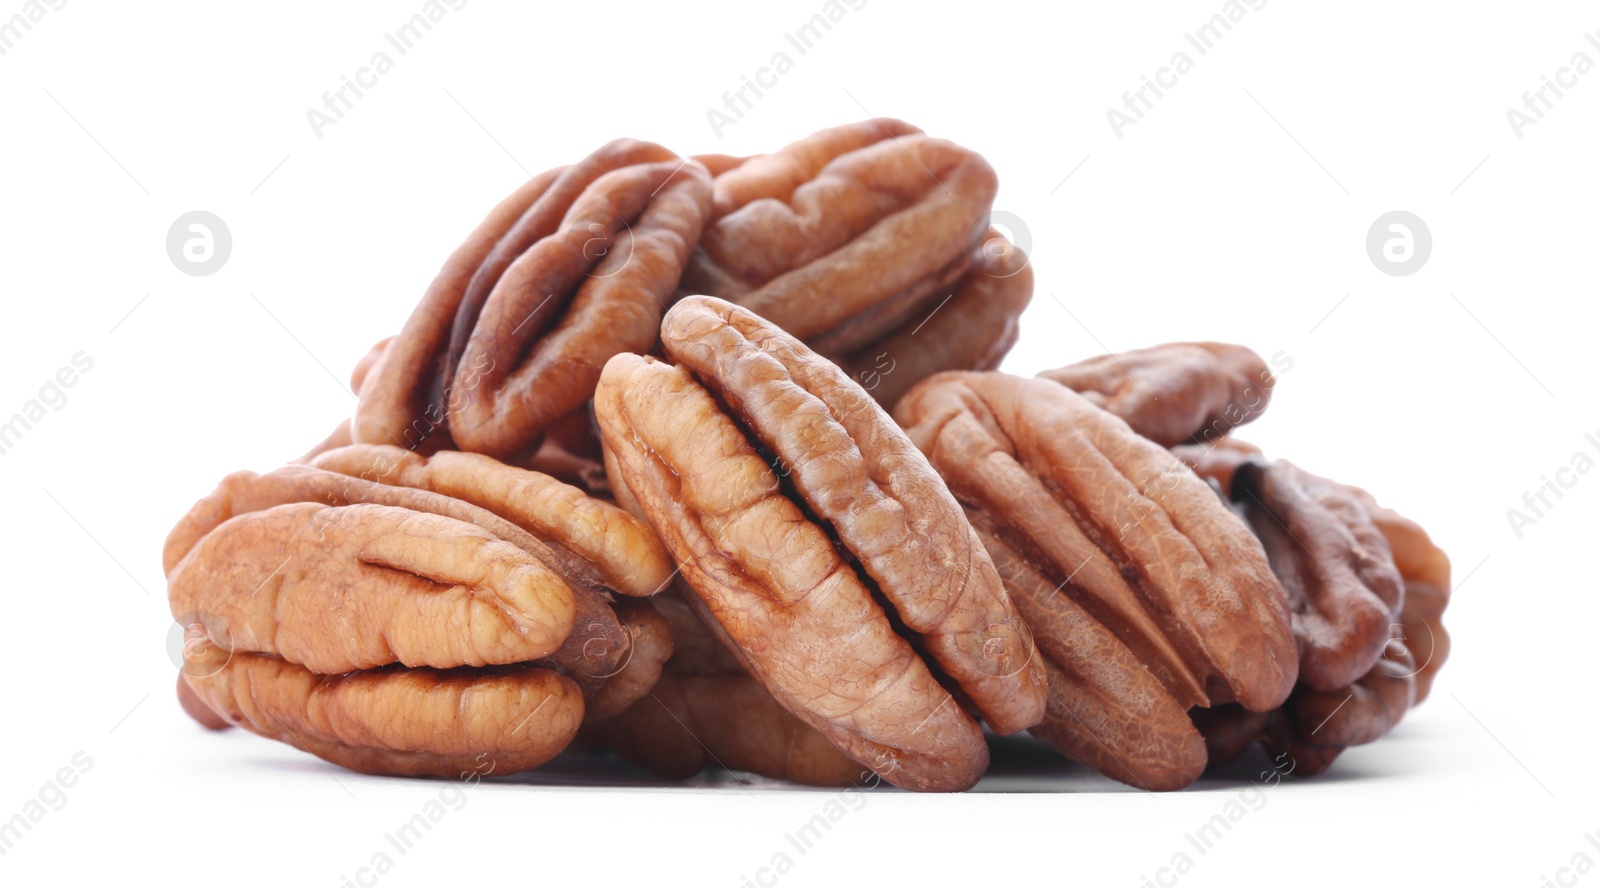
point(827, 581)
point(197, 709)
point(690, 722)
point(1145, 593)
point(574, 267)
point(972, 326)
point(1182, 392)
point(847, 235)
point(372, 594)
point(705, 710)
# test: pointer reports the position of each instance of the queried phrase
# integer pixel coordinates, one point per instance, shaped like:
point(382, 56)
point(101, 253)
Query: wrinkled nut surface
point(1426, 570)
point(847, 235)
point(400, 614)
point(1334, 564)
point(574, 267)
point(828, 580)
point(1177, 393)
point(1315, 725)
point(706, 711)
point(970, 327)
point(1145, 594)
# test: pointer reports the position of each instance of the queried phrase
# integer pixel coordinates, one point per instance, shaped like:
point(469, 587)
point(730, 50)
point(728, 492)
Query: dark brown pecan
point(1334, 564)
point(1426, 570)
point(1144, 592)
point(574, 267)
point(401, 614)
point(827, 576)
point(1342, 530)
point(1175, 393)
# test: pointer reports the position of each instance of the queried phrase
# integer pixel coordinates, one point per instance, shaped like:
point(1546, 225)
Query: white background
point(1237, 209)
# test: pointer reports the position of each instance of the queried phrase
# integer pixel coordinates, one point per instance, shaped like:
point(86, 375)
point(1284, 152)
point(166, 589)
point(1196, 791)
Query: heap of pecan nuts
point(629, 478)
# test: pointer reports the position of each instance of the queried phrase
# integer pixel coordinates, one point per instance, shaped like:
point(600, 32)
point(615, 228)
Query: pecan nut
point(971, 326)
point(704, 710)
point(827, 581)
point(399, 614)
point(1145, 594)
point(574, 267)
point(854, 233)
point(1344, 575)
point(1334, 564)
point(1178, 392)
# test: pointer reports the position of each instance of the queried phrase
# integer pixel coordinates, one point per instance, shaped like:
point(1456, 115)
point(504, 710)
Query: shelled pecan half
point(1146, 595)
point(400, 614)
point(574, 267)
point(819, 545)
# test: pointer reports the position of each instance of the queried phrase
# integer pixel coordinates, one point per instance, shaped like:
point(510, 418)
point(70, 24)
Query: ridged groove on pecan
point(1314, 727)
point(1014, 506)
point(599, 537)
point(650, 646)
point(417, 722)
point(1175, 393)
point(850, 253)
point(971, 328)
point(859, 474)
point(803, 622)
point(337, 588)
point(420, 381)
point(594, 288)
point(1106, 708)
point(1425, 568)
point(1335, 566)
point(1185, 562)
point(775, 176)
point(594, 626)
point(692, 721)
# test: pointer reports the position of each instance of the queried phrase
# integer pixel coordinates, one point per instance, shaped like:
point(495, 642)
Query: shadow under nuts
point(819, 545)
point(1146, 595)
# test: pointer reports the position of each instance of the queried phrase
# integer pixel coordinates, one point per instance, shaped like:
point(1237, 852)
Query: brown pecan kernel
point(1175, 393)
point(1144, 592)
point(825, 583)
point(574, 267)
